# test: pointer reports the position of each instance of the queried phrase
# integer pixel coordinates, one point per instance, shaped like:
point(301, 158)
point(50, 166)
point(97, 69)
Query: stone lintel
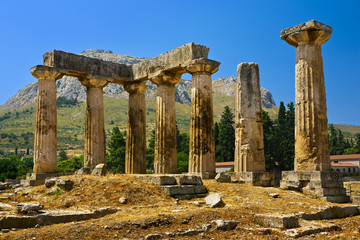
point(203, 65)
point(80, 66)
point(310, 32)
point(175, 60)
point(45, 72)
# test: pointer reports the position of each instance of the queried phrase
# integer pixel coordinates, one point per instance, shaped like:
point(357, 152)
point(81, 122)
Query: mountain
point(71, 88)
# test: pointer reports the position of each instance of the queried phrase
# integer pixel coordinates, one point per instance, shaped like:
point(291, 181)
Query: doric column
point(94, 123)
point(135, 157)
point(45, 142)
point(249, 140)
point(311, 136)
point(165, 160)
point(202, 145)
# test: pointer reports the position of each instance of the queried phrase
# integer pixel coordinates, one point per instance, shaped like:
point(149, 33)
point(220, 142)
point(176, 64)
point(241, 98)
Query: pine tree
point(268, 131)
point(332, 140)
point(216, 133)
point(226, 146)
point(62, 155)
point(115, 160)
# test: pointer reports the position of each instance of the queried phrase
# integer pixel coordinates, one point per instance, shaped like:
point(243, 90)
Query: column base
point(204, 175)
point(36, 179)
point(263, 179)
point(325, 185)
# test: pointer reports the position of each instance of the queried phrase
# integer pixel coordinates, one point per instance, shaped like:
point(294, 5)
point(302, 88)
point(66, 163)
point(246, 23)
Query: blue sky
point(235, 32)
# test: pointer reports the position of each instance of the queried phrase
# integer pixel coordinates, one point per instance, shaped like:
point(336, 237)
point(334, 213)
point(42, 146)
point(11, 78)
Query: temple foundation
point(312, 173)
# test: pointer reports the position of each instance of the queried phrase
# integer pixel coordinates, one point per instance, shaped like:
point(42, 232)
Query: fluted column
point(202, 145)
point(94, 123)
point(249, 140)
point(311, 136)
point(45, 142)
point(135, 157)
point(165, 160)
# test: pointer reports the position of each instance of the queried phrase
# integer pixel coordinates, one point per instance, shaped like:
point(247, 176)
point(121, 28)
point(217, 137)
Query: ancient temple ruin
point(165, 71)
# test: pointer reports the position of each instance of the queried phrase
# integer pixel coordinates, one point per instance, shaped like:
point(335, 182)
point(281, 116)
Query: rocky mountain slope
point(71, 88)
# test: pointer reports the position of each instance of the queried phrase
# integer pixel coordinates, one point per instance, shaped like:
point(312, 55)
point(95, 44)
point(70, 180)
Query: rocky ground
point(142, 211)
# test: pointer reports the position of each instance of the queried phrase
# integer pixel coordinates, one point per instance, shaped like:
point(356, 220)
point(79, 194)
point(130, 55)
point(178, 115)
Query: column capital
point(96, 81)
point(167, 78)
point(46, 72)
point(311, 32)
point(135, 87)
point(203, 65)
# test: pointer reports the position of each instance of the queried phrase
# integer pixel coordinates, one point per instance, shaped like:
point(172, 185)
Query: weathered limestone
point(135, 156)
point(94, 128)
point(165, 160)
point(312, 173)
point(45, 143)
point(311, 135)
point(202, 145)
point(249, 142)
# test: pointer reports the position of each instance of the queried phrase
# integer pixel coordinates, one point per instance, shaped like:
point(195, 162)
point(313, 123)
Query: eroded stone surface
point(214, 200)
point(249, 142)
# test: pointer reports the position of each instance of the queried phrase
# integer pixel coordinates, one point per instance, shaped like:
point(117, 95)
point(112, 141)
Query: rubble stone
point(214, 200)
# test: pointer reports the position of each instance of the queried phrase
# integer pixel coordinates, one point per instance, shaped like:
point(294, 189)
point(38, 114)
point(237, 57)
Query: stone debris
point(50, 182)
point(309, 230)
point(214, 200)
point(332, 213)
point(225, 224)
point(223, 177)
point(65, 184)
point(123, 200)
point(4, 186)
point(100, 170)
point(206, 227)
point(274, 195)
point(29, 207)
point(152, 236)
point(83, 171)
point(6, 207)
point(277, 220)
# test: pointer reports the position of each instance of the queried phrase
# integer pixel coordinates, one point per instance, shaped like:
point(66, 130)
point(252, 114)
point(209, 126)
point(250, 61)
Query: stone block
point(355, 200)
point(277, 221)
point(29, 207)
point(225, 225)
point(178, 190)
point(100, 170)
point(161, 180)
point(188, 180)
point(264, 179)
point(65, 184)
point(214, 200)
point(50, 182)
point(223, 177)
point(83, 171)
point(199, 189)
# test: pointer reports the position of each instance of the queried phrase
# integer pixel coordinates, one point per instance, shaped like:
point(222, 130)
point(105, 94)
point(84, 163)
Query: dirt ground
point(150, 211)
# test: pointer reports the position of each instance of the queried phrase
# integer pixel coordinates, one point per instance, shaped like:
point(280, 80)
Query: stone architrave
point(45, 139)
point(311, 135)
point(94, 127)
point(135, 157)
point(202, 144)
point(249, 142)
point(165, 160)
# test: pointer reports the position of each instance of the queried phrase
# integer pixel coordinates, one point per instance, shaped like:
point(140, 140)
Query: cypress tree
point(115, 160)
point(226, 146)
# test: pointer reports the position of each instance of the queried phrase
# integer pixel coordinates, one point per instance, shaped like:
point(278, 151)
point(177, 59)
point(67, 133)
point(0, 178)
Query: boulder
point(223, 177)
point(65, 184)
point(29, 207)
point(50, 182)
point(225, 225)
point(99, 170)
point(83, 171)
point(123, 200)
point(214, 200)
point(4, 186)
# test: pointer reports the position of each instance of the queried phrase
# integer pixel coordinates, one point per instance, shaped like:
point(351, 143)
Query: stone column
point(165, 160)
point(45, 142)
point(135, 158)
point(202, 145)
point(311, 135)
point(94, 127)
point(249, 141)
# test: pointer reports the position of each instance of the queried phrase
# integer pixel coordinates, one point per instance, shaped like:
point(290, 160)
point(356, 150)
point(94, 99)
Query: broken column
point(249, 166)
point(249, 139)
point(94, 123)
point(312, 160)
point(135, 156)
point(202, 144)
point(165, 160)
point(45, 142)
